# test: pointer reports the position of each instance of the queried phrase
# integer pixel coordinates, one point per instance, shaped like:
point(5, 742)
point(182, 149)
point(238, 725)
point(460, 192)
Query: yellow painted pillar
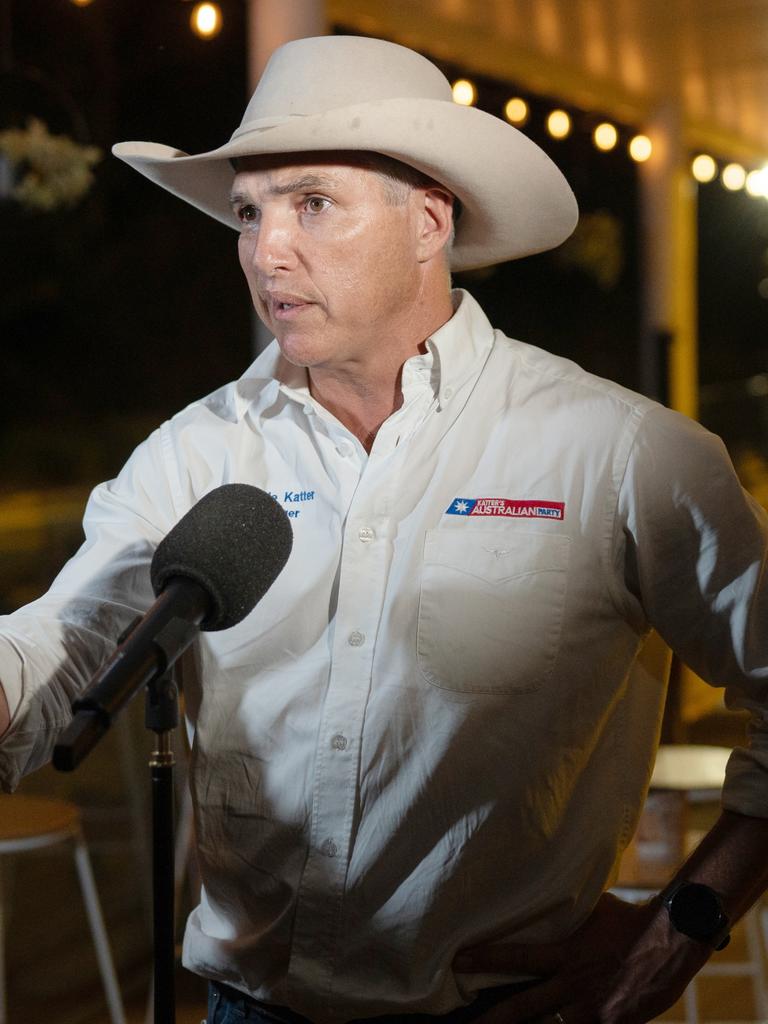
point(669, 352)
point(669, 267)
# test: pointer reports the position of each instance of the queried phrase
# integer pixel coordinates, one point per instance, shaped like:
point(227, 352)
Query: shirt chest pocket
point(491, 609)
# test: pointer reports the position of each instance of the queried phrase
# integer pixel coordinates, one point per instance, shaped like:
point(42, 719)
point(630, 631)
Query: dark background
point(119, 311)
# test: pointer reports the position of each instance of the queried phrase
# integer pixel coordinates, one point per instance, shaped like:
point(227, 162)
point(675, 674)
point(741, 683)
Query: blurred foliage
point(46, 171)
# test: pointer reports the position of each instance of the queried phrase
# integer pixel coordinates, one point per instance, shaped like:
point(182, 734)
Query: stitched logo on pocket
point(513, 507)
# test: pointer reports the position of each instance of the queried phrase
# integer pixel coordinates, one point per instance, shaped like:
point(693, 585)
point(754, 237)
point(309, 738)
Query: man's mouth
point(285, 305)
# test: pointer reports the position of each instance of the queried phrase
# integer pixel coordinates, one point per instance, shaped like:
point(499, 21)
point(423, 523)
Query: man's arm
point(5, 714)
point(51, 648)
point(693, 553)
point(626, 964)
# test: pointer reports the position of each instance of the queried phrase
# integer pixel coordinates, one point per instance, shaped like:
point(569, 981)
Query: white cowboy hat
point(353, 93)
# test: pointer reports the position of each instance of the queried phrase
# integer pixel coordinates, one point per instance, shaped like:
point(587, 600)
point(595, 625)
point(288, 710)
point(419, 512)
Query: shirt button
point(447, 393)
point(356, 639)
point(329, 848)
point(366, 534)
point(339, 742)
point(345, 448)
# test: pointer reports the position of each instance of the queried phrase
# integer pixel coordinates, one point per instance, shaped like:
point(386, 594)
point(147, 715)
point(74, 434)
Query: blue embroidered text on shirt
point(292, 498)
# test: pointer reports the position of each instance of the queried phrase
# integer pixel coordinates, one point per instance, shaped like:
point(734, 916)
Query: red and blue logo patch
point(512, 507)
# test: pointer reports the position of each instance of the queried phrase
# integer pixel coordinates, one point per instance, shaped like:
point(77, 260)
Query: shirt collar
point(455, 352)
point(459, 348)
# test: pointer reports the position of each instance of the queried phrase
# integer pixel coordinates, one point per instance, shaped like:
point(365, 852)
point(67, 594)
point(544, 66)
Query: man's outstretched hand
point(625, 965)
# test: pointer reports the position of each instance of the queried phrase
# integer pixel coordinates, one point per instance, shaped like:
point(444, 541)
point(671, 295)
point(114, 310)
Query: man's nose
point(273, 244)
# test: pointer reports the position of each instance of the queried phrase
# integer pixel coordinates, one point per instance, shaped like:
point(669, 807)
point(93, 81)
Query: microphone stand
point(162, 717)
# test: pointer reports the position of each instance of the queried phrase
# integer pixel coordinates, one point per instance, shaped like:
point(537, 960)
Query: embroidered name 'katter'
point(293, 498)
point(512, 507)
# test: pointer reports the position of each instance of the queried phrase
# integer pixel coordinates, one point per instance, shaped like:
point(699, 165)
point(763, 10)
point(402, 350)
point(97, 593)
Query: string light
point(733, 177)
point(704, 168)
point(516, 110)
point(757, 183)
point(605, 136)
point(640, 148)
point(206, 20)
point(559, 124)
point(464, 92)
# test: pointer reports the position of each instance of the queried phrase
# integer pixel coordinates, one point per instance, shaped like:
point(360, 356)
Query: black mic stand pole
point(162, 717)
point(93, 716)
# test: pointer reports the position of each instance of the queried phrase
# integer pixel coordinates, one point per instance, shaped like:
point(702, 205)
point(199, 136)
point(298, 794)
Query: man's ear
point(435, 222)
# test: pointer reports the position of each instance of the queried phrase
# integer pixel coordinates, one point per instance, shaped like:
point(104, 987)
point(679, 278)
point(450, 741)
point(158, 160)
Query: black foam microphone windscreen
point(234, 542)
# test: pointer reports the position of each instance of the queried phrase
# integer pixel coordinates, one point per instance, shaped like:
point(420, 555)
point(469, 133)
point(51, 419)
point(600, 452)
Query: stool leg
point(691, 1003)
point(3, 1016)
point(99, 932)
point(755, 954)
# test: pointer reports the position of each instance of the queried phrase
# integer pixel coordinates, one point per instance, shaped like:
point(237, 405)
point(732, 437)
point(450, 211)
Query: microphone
point(208, 573)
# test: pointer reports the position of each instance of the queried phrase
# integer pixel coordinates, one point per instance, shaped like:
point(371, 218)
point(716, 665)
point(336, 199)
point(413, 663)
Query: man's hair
point(399, 178)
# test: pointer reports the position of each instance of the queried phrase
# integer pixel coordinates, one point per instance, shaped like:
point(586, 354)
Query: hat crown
point(313, 76)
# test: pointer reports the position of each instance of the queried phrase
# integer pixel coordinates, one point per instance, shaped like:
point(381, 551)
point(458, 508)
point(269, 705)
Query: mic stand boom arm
point(149, 648)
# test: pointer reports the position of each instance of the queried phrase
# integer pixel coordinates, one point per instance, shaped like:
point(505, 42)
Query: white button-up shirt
point(436, 727)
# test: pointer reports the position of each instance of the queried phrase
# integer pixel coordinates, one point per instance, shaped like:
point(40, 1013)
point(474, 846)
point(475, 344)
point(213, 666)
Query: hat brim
point(515, 200)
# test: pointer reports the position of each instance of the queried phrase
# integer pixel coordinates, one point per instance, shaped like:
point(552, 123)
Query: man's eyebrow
point(306, 183)
point(238, 199)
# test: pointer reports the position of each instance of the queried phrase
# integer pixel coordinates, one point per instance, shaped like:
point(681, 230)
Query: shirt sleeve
point(694, 552)
point(51, 648)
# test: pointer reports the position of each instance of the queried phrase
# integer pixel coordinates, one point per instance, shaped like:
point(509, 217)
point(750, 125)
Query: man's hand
point(625, 965)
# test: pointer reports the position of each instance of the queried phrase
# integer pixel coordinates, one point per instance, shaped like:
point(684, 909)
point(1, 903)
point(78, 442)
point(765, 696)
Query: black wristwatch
point(696, 910)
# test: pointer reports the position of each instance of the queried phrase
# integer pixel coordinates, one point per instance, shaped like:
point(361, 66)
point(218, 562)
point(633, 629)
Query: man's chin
point(299, 351)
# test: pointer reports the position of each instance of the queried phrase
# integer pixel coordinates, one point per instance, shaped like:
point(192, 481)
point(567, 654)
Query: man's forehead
point(299, 171)
point(257, 177)
point(323, 160)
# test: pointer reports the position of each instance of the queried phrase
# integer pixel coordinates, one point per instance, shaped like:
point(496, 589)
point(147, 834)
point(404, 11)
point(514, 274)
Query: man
point(416, 763)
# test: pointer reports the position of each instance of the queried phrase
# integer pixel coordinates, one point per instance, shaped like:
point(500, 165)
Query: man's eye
point(316, 204)
point(248, 214)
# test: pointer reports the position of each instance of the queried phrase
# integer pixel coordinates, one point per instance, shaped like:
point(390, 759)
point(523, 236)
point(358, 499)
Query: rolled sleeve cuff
point(745, 789)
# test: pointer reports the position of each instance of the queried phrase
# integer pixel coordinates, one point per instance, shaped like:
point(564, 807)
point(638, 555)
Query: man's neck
point(364, 395)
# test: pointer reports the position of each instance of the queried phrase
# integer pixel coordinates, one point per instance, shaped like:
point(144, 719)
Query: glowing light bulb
point(757, 183)
point(82, 3)
point(464, 92)
point(206, 20)
point(640, 148)
point(559, 124)
point(516, 110)
point(704, 168)
point(605, 136)
point(733, 177)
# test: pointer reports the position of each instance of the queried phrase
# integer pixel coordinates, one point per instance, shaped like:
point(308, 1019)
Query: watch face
point(696, 911)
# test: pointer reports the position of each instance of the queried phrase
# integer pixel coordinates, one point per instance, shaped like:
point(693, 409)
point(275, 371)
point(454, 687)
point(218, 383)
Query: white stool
point(31, 823)
point(696, 773)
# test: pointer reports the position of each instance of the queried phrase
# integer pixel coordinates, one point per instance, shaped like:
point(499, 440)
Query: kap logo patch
point(511, 507)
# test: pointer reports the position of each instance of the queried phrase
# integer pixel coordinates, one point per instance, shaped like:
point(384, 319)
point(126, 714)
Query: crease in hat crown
point(299, 81)
point(336, 93)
